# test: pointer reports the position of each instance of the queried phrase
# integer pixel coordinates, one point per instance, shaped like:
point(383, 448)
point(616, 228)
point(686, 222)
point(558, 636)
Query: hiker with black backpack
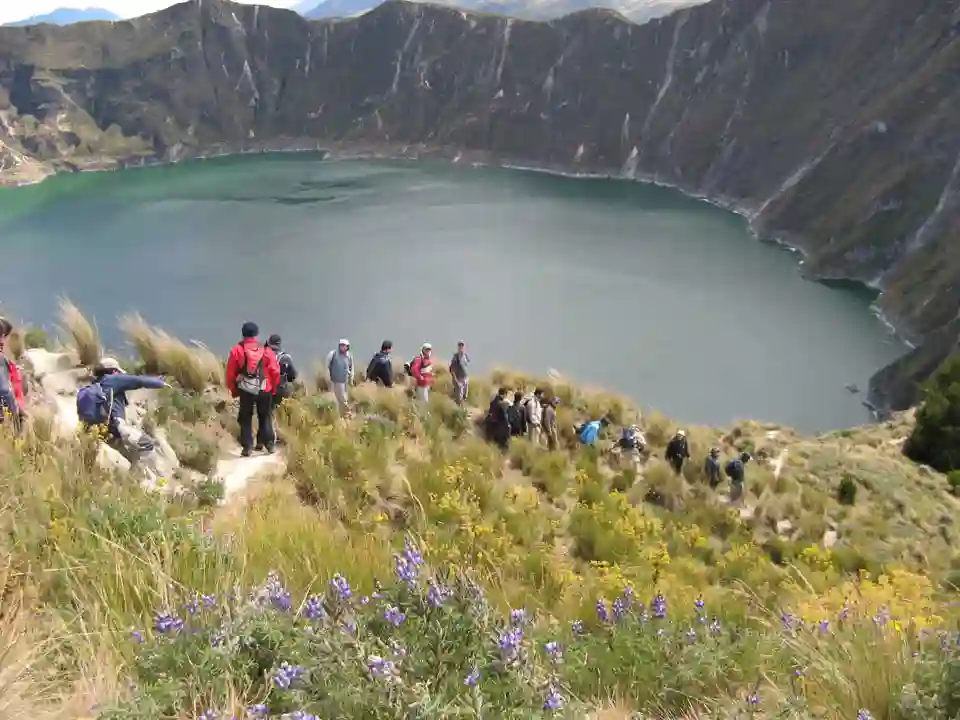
point(380, 369)
point(288, 376)
point(517, 414)
point(11, 383)
point(736, 471)
point(631, 444)
point(253, 375)
point(711, 468)
point(104, 402)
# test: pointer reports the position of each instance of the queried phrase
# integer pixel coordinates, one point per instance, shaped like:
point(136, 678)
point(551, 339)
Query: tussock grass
point(193, 366)
point(83, 335)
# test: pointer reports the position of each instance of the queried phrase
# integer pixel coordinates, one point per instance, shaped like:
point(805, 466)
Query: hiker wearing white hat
point(421, 369)
point(678, 451)
point(340, 367)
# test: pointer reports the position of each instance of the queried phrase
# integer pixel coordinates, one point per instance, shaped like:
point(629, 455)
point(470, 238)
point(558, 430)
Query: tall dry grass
point(193, 366)
point(83, 334)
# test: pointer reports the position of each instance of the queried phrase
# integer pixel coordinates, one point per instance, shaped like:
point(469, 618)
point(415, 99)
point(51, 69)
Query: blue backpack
point(93, 405)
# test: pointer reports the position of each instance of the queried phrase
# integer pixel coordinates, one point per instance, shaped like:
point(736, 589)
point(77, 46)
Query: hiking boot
point(270, 449)
point(258, 447)
point(245, 452)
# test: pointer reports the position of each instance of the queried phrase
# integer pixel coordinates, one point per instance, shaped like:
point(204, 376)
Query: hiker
point(678, 451)
point(631, 444)
point(517, 416)
point(421, 370)
point(340, 367)
point(711, 468)
point(459, 366)
point(498, 420)
point(104, 403)
point(288, 376)
point(380, 369)
point(589, 432)
point(534, 408)
point(11, 382)
point(736, 471)
point(253, 375)
point(550, 423)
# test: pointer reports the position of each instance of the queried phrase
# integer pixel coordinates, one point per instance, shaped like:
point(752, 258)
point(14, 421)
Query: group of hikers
point(260, 376)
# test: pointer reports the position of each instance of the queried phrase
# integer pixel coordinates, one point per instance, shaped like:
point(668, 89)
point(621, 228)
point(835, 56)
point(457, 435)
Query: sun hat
point(109, 363)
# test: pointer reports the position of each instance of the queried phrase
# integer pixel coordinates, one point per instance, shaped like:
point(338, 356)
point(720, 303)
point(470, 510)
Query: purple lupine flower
point(842, 616)
point(313, 608)
point(340, 587)
point(824, 626)
point(208, 715)
point(787, 620)
point(753, 699)
point(864, 715)
point(365, 600)
point(193, 606)
point(518, 616)
point(509, 643)
point(659, 607)
point(406, 571)
point(603, 615)
point(692, 635)
point(577, 627)
point(258, 711)
point(286, 675)
point(437, 594)
point(700, 603)
point(137, 636)
point(412, 553)
point(381, 668)
point(393, 616)
point(619, 609)
point(553, 650)
point(472, 678)
point(275, 593)
point(350, 627)
point(301, 715)
point(554, 700)
point(167, 623)
point(628, 596)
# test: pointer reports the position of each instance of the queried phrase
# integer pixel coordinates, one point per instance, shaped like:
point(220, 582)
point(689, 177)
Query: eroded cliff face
point(835, 126)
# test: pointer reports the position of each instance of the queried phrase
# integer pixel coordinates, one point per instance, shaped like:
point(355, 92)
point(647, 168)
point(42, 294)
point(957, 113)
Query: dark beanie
point(274, 340)
point(250, 330)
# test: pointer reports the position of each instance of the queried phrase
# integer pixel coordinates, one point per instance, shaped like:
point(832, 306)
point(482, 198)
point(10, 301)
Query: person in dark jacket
point(736, 471)
point(518, 416)
point(11, 382)
point(380, 369)
point(284, 389)
point(678, 451)
point(116, 383)
point(255, 391)
point(711, 468)
point(498, 420)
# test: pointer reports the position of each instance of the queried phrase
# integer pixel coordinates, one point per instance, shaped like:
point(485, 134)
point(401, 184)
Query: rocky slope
point(834, 127)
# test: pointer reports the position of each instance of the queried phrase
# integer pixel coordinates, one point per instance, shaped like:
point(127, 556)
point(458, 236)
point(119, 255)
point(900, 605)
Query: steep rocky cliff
point(834, 126)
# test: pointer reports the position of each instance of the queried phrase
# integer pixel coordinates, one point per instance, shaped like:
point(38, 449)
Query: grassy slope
point(90, 556)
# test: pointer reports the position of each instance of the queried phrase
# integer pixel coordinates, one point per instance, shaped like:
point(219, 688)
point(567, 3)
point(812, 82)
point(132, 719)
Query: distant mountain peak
point(69, 16)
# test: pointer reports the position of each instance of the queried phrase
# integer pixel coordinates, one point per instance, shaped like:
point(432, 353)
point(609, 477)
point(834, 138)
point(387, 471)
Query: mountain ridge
point(68, 16)
point(834, 132)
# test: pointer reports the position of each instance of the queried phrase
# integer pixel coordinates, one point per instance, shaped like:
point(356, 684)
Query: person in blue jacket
point(591, 431)
point(115, 384)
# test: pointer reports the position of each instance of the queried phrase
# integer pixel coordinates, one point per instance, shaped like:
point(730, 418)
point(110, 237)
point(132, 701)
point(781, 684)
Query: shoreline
point(361, 150)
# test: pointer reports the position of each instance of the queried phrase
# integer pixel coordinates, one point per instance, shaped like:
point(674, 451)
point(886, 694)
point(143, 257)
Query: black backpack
point(732, 469)
point(283, 389)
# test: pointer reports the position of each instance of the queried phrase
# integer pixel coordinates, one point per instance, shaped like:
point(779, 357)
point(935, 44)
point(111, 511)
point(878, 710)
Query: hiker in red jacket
point(422, 371)
point(11, 383)
point(253, 374)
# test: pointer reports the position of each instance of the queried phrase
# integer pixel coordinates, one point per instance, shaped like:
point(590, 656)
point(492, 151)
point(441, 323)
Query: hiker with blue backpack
point(253, 375)
point(104, 402)
point(590, 432)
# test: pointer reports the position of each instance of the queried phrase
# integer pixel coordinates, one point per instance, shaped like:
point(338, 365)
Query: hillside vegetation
point(402, 567)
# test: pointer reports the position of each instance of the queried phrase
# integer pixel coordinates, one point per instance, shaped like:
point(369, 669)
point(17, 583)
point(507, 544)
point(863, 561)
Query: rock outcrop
point(833, 126)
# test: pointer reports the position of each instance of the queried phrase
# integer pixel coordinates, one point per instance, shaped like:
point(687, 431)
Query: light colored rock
point(747, 513)
point(110, 459)
point(830, 538)
point(784, 527)
point(778, 464)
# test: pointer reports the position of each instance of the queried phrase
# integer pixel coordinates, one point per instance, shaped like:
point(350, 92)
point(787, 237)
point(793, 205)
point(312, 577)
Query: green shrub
point(847, 492)
point(953, 478)
point(208, 492)
point(935, 440)
point(197, 453)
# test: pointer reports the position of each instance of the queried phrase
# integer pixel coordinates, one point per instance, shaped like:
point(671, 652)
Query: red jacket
point(424, 379)
point(237, 359)
point(16, 382)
